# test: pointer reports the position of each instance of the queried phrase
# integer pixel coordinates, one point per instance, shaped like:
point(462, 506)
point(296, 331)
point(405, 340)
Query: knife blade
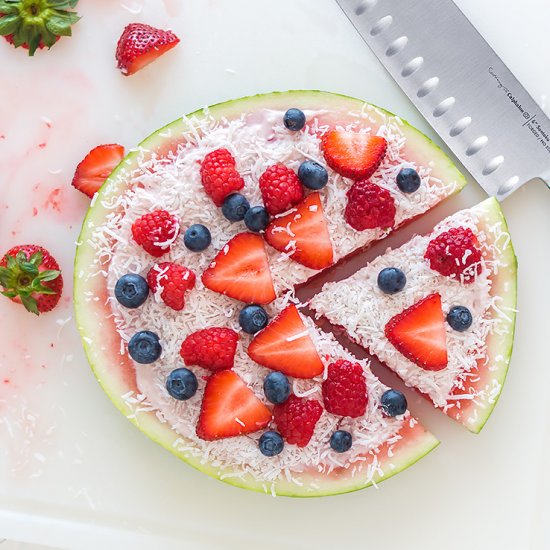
point(461, 86)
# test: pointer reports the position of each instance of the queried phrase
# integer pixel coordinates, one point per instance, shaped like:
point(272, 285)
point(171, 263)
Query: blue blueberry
point(276, 387)
point(391, 280)
point(340, 441)
point(393, 403)
point(460, 318)
point(312, 175)
point(131, 290)
point(234, 207)
point(197, 238)
point(294, 120)
point(181, 384)
point(271, 443)
point(408, 180)
point(253, 318)
point(256, 219)
point(144, 347)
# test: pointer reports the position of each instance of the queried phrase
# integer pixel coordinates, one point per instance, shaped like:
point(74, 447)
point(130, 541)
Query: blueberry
point(312, 175)
point(276, 387)
point(408, 180)
point(294, 120)
point(340, 441)
point(181, 384)
point(271, 443)
point(393, 403)
point(460, 318)
point(234, 207)
point(391, 280)
point(131, 290)
point(256, 219)
point(197, 238)
point(144, 347)
point(253, 318)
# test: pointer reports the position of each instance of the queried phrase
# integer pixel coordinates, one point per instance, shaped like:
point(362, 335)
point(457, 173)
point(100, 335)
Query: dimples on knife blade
point(461, 86)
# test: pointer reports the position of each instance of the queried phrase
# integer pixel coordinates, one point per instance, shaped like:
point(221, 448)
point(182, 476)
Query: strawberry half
point(230, 408)
point(96, 167)
point(352, 154)
point(303, 232)
point(241, 271)
point(140, 45)
point(30, 275)
point(285, 345)
point(419, 333)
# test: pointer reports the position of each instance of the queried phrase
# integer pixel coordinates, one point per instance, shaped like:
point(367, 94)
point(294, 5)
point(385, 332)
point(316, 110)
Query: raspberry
point(156, 231)
point(345, 389)
point(174, 281)
point(369, 206)
point(219, 175)
point(454, 254)
point(296, 419)
point(281, 189)
point(211, 348)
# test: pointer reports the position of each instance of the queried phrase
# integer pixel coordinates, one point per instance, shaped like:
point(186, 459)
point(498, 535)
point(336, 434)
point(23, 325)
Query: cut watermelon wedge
point(105, 253)
point(468, 387)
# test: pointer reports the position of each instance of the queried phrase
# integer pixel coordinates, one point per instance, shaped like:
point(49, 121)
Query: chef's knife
point(461, 86)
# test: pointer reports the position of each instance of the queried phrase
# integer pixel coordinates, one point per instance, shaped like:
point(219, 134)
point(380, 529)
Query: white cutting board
point(73, 472)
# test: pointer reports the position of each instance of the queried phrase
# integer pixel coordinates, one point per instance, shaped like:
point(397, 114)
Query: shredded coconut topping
point(256, 140)
point(363, 310)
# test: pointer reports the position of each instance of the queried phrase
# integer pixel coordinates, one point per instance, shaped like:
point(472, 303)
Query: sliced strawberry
point(140, 45)
point(230, 408)
point(419, 333)
point(352, 154)
point(241, 271)
point(97, 167)
point(285, 345)
point(303, 232)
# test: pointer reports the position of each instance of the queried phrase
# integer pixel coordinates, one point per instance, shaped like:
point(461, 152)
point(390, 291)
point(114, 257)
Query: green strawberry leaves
point(36, 23)
point(21, 277)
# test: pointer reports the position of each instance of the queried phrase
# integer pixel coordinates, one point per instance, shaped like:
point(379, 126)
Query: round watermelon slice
point(99, 327)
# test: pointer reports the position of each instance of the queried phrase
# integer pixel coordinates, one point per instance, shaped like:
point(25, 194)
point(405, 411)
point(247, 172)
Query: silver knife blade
point(461, 86)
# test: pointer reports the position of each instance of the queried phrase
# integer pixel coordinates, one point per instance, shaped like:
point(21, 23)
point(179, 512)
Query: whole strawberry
point(36, 24)
point(369, 206)
point(140, 45)
point(211, 348)
point(345, 389)
point(156, 231)
point(30, 275)
point(296, 419)
point(455, 254)
point(281, 189)
point(174, 281)
point(219, 175)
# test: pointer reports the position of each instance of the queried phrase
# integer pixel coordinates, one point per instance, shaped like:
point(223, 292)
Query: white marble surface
point(73, 472)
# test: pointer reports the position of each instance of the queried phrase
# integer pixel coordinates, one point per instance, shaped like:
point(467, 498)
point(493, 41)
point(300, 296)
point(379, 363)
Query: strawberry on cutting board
point(230, 408)
point(36, 24)
point(352, 154)
point(30, 275)
point(96, 167)
point(419, 333)
point(303, 232)
point(241, 271)
point(285, 345)
point(140, 45)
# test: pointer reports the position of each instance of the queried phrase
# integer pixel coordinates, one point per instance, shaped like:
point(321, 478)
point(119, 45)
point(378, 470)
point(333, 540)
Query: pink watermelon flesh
point(115, 372)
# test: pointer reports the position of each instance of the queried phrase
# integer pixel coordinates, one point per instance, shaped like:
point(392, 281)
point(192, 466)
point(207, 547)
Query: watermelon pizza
point(185, 279)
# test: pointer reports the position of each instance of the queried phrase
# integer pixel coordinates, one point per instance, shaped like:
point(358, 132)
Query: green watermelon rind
point(116, 379)
point(499, 346)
